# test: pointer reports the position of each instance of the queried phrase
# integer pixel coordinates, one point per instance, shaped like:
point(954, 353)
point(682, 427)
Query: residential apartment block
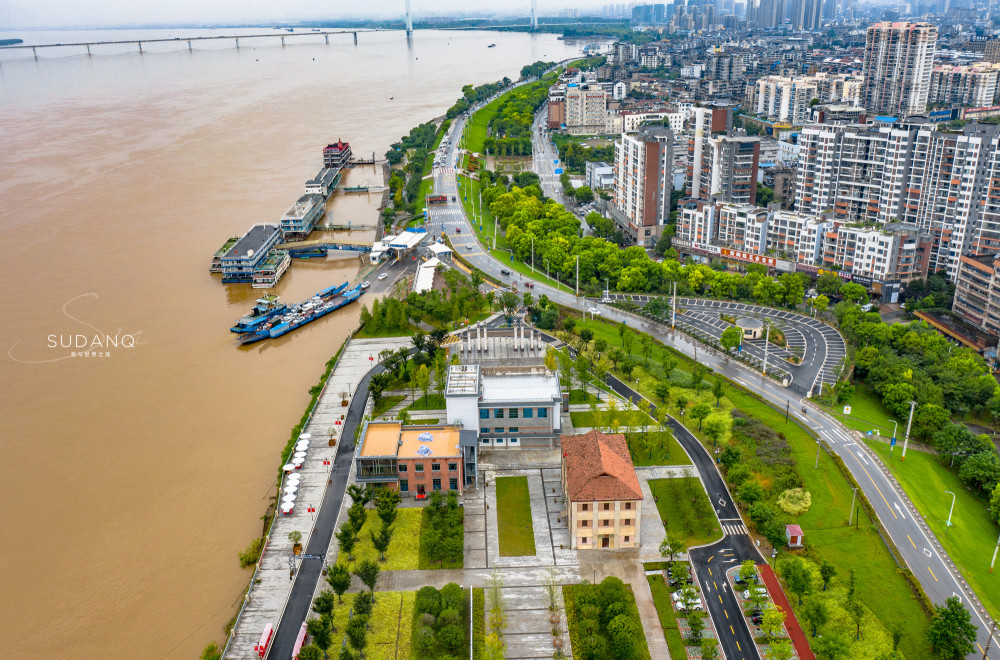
point(603, 494)
point(586, 109)
point(643, 172)
point(973, 85)
point(977, 292)
point(897, 67)
point(787, 98)
point(724, 167)
point(946, 185)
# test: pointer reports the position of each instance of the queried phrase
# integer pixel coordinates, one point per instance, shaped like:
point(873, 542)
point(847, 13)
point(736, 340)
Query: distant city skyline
point(23, 14)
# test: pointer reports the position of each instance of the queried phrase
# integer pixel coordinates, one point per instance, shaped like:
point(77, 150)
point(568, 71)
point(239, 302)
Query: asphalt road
point(921, 556)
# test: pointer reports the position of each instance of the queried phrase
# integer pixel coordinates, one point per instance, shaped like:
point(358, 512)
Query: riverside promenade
point(324, 478)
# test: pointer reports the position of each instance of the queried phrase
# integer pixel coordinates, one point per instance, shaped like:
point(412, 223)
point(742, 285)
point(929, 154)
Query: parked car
point(867, 307)
point(365, 284)
point(383, 276)
point(760, 591)
point(675, 581)
point(757, 618)
point(468, 247)
point(740, 582)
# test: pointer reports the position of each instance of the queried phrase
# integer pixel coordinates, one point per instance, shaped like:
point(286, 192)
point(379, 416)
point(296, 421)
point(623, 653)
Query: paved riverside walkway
point(321, 487)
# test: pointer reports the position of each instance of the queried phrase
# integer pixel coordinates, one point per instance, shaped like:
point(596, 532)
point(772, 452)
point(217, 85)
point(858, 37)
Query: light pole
point(948, 524)
point(854, 494)
point(992, 561)
point(816, 467)
point(546, 269)
point(767, 340)
point(532, 254)
point(913, 404)
point(577, 276)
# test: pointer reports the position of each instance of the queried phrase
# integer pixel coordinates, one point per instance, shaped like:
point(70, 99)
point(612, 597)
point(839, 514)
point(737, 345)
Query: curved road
point(922, 556)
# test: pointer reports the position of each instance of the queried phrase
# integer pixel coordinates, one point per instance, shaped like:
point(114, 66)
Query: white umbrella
point(302, 444)
point(305, 436)
point(293, 478)
point(289, 498)
point(286, 507)
point(290, 489)
point(288, 468)
point(297, 462)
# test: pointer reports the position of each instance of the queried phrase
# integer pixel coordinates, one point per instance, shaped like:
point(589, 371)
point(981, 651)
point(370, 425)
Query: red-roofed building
point(337, 155)
point(603, 495)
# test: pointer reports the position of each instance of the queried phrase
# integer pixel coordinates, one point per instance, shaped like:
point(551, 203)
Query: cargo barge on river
point(307, 311)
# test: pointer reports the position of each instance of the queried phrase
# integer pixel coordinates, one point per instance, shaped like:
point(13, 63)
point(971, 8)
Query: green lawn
point(972, 537)
point(882, 588)
point(387, 403)
point(432, 402)
point(402, 554)
point(606, 418)
point(478, 624)
point(390, 625)
point(685, 510)
point(476, 130)
point(656, 448)
point(867, 412)
point(668, 619)
point(517, 537)
point(425, 422)
point(580, 397)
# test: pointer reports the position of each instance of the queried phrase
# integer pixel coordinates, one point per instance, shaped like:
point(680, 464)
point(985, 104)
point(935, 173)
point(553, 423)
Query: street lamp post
point(532, 254)
point(577, 276)
point(906, 439)
point(816, 467)
point(993, 561)
point(948, 524)
point(891, 445)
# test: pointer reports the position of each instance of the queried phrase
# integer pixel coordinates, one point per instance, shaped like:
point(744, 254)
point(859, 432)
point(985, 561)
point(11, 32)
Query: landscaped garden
point(401, 554)
point(681, 646)
point(515, 531)
point(604, 621)
point(442, 532)
point(656, 448)
point(685, 511)
point(771, 456)
point(440, 623)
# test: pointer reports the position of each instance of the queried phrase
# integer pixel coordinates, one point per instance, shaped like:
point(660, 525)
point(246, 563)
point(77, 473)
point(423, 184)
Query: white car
point(383, 276)
point(760, 591)
point(365, 284)
point(593, 310)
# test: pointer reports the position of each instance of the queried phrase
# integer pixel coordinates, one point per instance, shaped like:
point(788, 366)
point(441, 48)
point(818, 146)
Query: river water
point(134, 478)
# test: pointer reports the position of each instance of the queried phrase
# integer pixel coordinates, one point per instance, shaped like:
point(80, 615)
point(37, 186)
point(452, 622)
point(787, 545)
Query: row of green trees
point(441, 620)
point(510, 128)
point(338, 576)
point(443, 529)
point(472, 95)
point(460, 299)
point(605, 623)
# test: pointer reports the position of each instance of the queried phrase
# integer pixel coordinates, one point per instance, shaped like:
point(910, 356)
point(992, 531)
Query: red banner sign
point(749, 256)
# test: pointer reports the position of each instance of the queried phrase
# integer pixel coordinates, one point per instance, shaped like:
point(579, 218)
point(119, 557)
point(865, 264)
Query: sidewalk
point(266, 600)
point(791, 623)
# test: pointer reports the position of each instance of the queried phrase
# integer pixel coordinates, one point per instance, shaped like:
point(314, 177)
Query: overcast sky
point(83, 13)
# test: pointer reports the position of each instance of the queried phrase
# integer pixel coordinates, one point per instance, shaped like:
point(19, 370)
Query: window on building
point(584, 540)
point(486, 441)
point(513, 441)
point(453, 483)
point(498, 429)
point(513, 429)
point(605, 523)
point(584, 507)
point(484, 429)
point(435, 467)
point(437, 484)
point(607, 506)
point(625, 539)
point(402, 467)
point(628, 506)
point(484, 413)
point(543, 413)
point(584, 523)
point(512, 413)
point(528, 413)
point(627, 522)
point(498, 413)
point(404, 486)
point(452, 467)
point(418, 467)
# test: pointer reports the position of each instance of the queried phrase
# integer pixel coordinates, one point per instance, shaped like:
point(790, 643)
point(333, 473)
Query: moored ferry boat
point(321, 304)
point(266, 308)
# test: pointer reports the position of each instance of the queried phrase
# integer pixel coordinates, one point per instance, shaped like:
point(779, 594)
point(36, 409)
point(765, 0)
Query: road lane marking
point(928, 553)
point(738, 647)
point(732, 630)
point(720, 597)
point(713, 557)
point(726, 612)
point(932, 574)
point(879, 492)
point(911, 541)
point(715, 585)
point(710, 571)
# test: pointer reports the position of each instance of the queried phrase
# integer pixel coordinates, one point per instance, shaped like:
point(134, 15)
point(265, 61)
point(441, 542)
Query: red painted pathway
point(791, 623)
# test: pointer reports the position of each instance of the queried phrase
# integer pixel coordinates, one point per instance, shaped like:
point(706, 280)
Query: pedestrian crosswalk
point(734, 530)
